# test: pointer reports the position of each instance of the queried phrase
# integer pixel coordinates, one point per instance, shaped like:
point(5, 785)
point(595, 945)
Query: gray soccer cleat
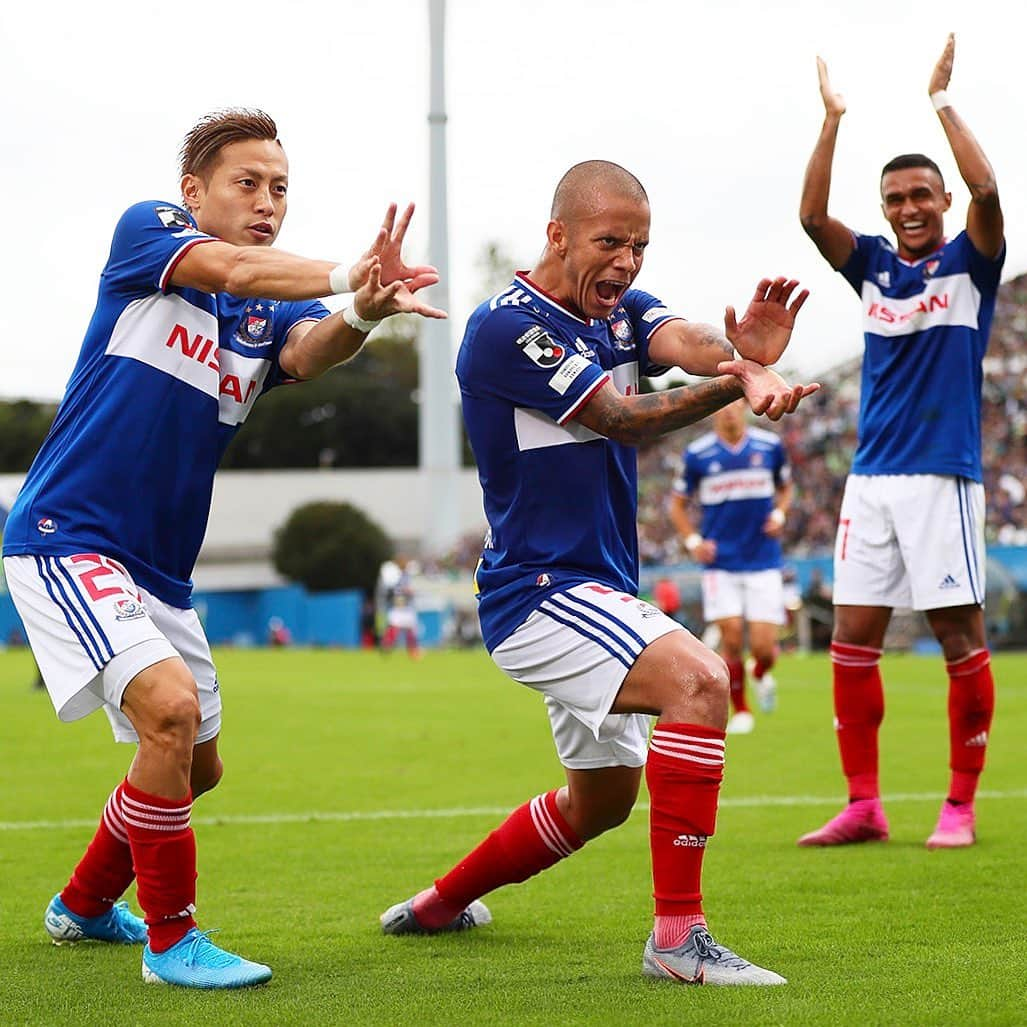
point(400, 919)
point(702, 961)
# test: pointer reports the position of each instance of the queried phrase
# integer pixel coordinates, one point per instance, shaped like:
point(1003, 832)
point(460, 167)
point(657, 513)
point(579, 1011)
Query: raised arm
point(834, 240)
point(984, 222)
point(635, 419)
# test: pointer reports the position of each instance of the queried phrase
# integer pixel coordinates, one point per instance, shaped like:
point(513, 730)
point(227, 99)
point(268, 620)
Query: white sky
point(713, 106)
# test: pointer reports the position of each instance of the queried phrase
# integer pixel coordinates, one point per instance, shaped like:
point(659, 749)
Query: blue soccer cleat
point(119, 925)
point(196, 962)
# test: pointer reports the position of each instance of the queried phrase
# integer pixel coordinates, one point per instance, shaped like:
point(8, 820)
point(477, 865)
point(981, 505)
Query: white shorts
point(402, 617)
point(92, 630)
point(754, 595)
point(910, 541)
point(576, 649)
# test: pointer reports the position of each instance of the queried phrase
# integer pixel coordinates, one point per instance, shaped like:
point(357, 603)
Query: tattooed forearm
point(639, 418)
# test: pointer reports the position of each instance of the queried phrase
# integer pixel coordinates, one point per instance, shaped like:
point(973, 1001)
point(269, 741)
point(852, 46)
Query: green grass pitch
point(353, 779)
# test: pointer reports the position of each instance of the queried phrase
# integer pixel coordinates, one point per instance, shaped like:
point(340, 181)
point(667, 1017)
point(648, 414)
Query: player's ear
point(556, 233)
point(192, 191)
point(948, 201)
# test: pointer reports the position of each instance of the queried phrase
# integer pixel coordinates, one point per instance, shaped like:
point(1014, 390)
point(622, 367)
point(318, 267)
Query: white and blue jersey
point(560, 500)
point(926, 328)
point(735, 487)
point(164, 379)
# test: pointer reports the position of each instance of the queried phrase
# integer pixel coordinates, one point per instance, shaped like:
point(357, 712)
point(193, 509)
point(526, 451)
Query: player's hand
point(374, 300)
point(834, 105)
point(943, 69)
point(705, 553)
point(774, 526)
point(387, 251)
point(767, 392)
point(766, 326)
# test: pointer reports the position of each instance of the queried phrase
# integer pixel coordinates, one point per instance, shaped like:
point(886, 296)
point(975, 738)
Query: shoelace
point(118, 916)
point(465, 920)
point(198, 946)
point(709, 949)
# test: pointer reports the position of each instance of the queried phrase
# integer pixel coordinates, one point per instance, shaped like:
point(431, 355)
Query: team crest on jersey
point(256, 328)
point(539, 348)
point(128, 609)
point(172, 217)
point(46, 525)
point(623, 336)
point(930, 267)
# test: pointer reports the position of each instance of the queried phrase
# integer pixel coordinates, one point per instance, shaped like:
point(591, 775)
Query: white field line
point(342, 816)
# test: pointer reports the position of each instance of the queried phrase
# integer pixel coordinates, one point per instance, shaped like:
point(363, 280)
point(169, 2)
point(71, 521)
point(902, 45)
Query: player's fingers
point(423, 281)
point(404, 223)
point(775, 291)
point(825, 82)
point(380, 242)
point(390, 218)
point(729, 367)
point(798, 302)
point(730, 324)
point(425, 311)
point(761, 290)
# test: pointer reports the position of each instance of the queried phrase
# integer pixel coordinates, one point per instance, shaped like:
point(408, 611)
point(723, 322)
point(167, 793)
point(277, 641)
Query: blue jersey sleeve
point(984, 273)
point(647, 314)
point(855, 268)
point(290, 315)
point(782, 472)
point(691, 474)
point(149, 241)
point(515, 358)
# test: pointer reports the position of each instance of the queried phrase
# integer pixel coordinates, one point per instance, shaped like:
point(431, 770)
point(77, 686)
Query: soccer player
point(197, 316)
point(740, 476)
point(549, 374)
point(911, 528)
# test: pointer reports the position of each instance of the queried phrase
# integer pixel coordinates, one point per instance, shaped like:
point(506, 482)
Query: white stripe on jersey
point(946, 302)
point(744, 483)
point(536, 430)
point(171, 335)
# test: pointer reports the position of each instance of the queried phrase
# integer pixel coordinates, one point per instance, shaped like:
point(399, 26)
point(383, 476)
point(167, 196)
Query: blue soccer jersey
point(560, 500)
point(735, 486)
point(164, 379)
point(926, 330)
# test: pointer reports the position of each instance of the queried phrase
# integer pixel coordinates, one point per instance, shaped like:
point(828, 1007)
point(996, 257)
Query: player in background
point(401, 613)
point(740, 477)
point(911, 527)
point(549, 372)
point(197, 316)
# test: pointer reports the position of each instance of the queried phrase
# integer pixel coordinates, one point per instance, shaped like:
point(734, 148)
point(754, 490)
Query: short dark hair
point(912, 160)
point(204, 142)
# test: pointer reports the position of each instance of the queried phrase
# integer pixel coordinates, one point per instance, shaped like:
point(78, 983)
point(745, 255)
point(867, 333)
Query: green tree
point(330, 546)
point(23, 426)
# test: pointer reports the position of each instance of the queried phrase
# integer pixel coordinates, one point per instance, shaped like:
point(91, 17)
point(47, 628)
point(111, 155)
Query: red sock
point(683, 771)
point(971, 705)
point(759, 668)
point(532, 838)
point(858, 712)
point(105, 870)
point(164, 852)
point(736, 674)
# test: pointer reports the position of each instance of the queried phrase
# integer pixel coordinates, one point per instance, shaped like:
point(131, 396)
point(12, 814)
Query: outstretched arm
point(761, 335)
point(984, 222)
point(834, 240)
point(635, 419)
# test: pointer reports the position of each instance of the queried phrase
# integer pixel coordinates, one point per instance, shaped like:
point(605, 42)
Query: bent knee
point(206, 778)
point(173, 718)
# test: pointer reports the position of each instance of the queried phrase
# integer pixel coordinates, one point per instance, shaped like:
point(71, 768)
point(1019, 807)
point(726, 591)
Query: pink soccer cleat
point(955, 828)
point(863, 820)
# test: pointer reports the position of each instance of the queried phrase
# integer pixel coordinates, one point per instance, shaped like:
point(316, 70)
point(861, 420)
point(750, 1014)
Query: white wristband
point(338, 279)
point(354, 320)
point(693, 541)
point(777, 515)
point(940, 99)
